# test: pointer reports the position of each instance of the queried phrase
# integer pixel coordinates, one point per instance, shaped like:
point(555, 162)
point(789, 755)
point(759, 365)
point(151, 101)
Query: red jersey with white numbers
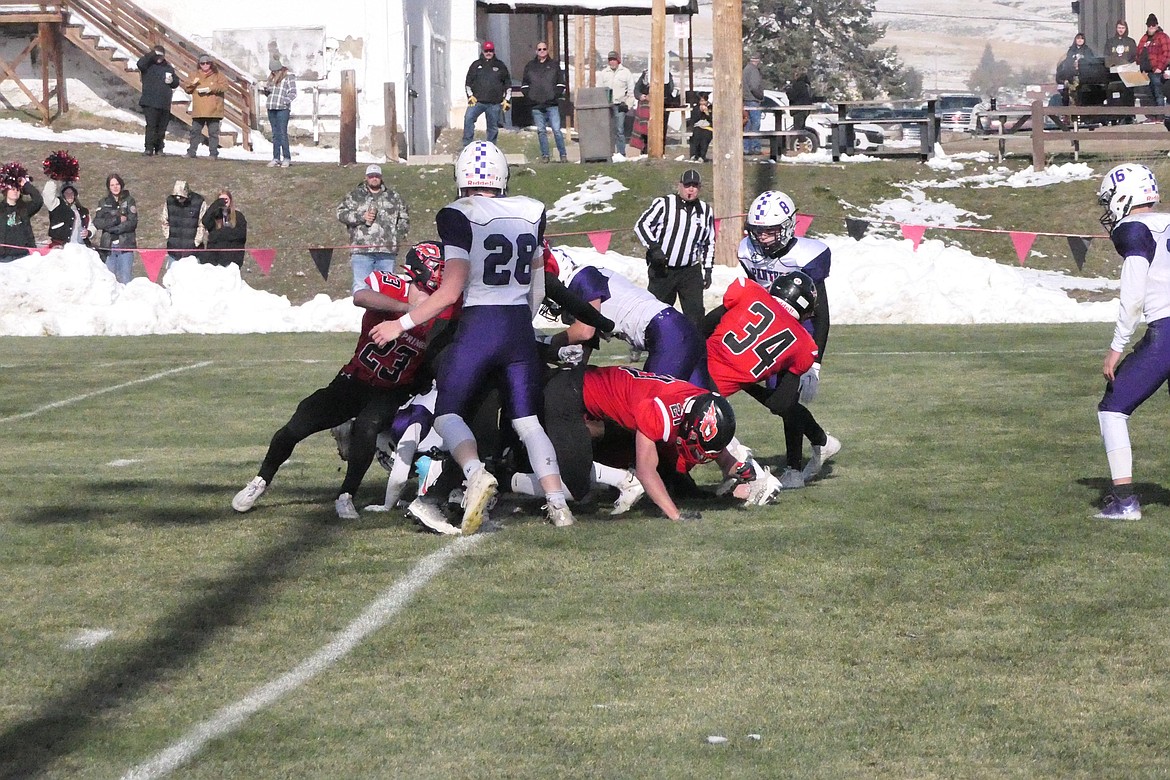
point(397, 363)
point(637, 400)
point(756, 339)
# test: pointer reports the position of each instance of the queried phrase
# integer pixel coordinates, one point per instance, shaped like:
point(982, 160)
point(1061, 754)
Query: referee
point(678, 232)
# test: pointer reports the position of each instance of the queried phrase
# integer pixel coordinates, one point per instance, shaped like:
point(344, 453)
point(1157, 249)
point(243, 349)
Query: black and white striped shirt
point(684, 229)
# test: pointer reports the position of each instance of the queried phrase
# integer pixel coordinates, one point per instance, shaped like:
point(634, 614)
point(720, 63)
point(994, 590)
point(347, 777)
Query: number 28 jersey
point(500, 238)
point(757, 338)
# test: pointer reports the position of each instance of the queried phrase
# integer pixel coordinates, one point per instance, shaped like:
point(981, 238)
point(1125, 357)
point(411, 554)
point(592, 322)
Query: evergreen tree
point(832, 40)
point(990, 75)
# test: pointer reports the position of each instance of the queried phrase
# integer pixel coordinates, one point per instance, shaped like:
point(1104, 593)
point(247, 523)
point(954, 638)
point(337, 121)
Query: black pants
point(685, 284)
point(156, 128)
point(343, 398)
point(196, 136)
point(700, 142)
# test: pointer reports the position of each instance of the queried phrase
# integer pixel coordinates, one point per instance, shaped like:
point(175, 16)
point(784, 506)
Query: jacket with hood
point(206, 93)
point(1120, 49)
point(182, 218)
point(16, 222)
point(117, 218)
point(63, 217)
point(157, 91)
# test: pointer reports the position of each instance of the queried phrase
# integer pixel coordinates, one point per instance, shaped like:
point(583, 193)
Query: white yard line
point(103, 391)
point(376, 615)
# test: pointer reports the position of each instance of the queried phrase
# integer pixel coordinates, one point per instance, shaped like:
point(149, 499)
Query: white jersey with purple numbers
point(499, 237)
point(630, 307)
point(805, 254)
point(1141, 240)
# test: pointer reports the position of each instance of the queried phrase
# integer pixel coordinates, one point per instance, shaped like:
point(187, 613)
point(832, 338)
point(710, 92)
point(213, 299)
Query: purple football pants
point(676, 348)
point(1141, 373)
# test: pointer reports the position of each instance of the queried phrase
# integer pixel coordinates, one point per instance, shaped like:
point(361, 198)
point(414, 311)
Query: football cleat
point(481, 489)
point(341, 436)
point(429, 469)
point(431, 517)
point(791, 479)
point(246, 498)
point(560, 516)
point(345, 508)
point(629, 491)
point(820, 456)
point(764, 489)
point(1120, 508)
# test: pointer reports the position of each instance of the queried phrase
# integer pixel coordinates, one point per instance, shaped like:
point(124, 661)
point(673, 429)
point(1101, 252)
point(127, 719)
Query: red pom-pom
point(61, 166)
point(12, 175)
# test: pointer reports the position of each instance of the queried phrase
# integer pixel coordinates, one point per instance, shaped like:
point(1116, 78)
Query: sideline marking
point(103, 391)
point(376, 615)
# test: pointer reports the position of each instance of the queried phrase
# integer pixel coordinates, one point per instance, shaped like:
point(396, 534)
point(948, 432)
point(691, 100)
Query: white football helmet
point(481, 165)
point(770, 212)
point(1125, 188)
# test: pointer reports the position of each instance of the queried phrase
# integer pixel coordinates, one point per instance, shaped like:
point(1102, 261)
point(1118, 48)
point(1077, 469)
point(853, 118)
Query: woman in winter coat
point(117, 218)
point(16, 213)
point(226, 230)
point(68, 219)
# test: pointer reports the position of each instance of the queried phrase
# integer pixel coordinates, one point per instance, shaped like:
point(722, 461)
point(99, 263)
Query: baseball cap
point(613, 55)
point(691, 176)
point(159, 51)
point(373, 170)
point(489, 46)
point(204, 58)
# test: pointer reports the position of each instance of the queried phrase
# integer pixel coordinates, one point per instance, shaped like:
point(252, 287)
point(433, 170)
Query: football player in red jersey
point(370, 387)
point(661, 410)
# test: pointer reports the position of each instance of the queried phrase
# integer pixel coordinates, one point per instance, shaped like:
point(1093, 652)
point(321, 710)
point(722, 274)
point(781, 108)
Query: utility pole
point(727, 32)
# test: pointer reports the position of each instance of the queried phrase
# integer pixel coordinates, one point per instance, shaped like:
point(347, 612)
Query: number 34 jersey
point(499, 237)
point(756, 339)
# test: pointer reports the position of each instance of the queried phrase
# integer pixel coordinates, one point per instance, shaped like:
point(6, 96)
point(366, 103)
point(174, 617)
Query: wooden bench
point(927, 133)
point(1070, 119)
point(778, 140)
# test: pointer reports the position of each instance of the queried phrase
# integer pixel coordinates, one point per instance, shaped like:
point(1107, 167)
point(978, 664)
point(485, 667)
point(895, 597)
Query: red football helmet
point(424, 265)
point(707, 426)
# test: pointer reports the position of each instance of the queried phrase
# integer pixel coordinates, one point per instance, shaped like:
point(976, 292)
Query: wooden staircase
point(115, 33)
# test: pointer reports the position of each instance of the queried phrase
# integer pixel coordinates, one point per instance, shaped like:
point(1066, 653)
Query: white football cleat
point(431, 517)
point(246, 498)
point(561, 517)
point(791, 479)
point(820, 456)
point(481, 489)
point(763, 489)
point(629, 491)
point(345, 508)
point(341, 436)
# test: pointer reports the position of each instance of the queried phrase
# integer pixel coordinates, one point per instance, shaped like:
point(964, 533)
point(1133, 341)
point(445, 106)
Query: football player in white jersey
point(493, 255)
point(1140, 235)
point(770, 250)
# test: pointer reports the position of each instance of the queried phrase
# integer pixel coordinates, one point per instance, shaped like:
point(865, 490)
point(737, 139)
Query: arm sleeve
point(820, 332)
point(1134, 273)
point(709, 253)
point(49, 194)
point(347, 211)
point(35, 199)
point(166, 224)
point(647, 226)
point(581, 310)
point(711, 320)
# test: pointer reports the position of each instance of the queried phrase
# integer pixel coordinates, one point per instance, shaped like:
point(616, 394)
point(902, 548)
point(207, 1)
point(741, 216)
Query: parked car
point(866, 138)
point(954, 112)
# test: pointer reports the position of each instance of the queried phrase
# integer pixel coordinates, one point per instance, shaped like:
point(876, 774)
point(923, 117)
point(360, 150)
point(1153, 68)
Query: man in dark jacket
point(182, 222)
point(489, 90)
point(158, 85)
point(799, 93)
point(544, 84)
point(16, 220)
point(753, 95)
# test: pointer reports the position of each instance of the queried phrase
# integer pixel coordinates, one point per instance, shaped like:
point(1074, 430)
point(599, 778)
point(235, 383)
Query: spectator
point(671, 98)
point(207, 88)
point(799, 93)
point(489, 90)
point(377, 220)
point(68, 220)
point(281, 89)
point(620, 83)
point(678, 232)
point(1121, 51)
point(1153, 55)
point(544, 84)
point(227, 231)
point(16, 232)
point(753, 95)
point(117, 218)
point(182, 220)
point(701, 129)
point(158, 87)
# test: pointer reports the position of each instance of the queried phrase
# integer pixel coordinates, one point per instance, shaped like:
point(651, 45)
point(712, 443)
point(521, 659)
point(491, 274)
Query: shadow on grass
point(63, 723)
point(1148, 492)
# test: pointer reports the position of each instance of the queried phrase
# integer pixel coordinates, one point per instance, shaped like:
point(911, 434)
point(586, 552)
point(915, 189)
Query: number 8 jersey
point(756, 339)
point(499, 237)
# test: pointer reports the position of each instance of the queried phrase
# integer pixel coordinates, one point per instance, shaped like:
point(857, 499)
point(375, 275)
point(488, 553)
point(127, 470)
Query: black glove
point(656, 260)
point(690, 516)
point(707, 279)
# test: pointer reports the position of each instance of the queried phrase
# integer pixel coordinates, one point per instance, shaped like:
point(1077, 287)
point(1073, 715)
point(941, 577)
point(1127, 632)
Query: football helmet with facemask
point(706, 428)
point(423, 265)
point(771, 223)
point(797, 292)
point(1125, 188)
point(481, 165)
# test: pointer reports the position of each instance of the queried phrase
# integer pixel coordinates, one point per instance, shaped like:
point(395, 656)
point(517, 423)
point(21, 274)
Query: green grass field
point(942, 604)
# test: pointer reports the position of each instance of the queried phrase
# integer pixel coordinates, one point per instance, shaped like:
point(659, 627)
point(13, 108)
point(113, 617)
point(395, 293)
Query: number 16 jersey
point(499, 237)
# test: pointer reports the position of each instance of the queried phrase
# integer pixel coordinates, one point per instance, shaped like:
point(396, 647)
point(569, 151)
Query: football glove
point(809, 383)
point(690, 516)
point(506, 105)
point(571, 355)
point(707, 279)
point(471, 101)
point(744, 471)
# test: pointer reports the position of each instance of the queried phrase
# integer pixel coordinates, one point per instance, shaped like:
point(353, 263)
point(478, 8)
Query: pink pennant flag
point(152, 261)
point(600, 240)
point(1023, 244)
point(802, 223)
point(40, 250)
point(914, 233)
point(263, 258)
point(718, 227)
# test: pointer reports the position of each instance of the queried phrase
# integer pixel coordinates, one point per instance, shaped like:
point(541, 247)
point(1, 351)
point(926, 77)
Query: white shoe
point(481, 489)
point(247, 497)
point(274, 163)
point(431, 517)
point(791, 479)
point(341, 436)
point(820, 455)
point(629, 491)
point(344, 507)
point(561, 517)
point(286, 163)
point(763, 489)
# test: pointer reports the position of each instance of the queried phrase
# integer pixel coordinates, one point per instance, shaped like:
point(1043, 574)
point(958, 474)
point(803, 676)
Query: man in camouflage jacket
point(377, 220)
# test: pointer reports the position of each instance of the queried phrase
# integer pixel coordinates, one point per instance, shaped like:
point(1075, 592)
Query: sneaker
point(561, 517)
point(820, 455)
point(544, 158)
point(246, 498)
point(341, 435)
point(286, 163)
point(635, 356)
point(763, 489)
point(429, 470)
point(629, 491)
point(791, 479)
point(273, 163)
point(345, 508)
point(1120, 508)
point(563, 159)
point(431, 517)
point(481, 489)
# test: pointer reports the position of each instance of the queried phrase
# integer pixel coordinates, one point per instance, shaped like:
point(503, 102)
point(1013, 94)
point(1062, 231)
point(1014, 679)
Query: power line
point(970, 18)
